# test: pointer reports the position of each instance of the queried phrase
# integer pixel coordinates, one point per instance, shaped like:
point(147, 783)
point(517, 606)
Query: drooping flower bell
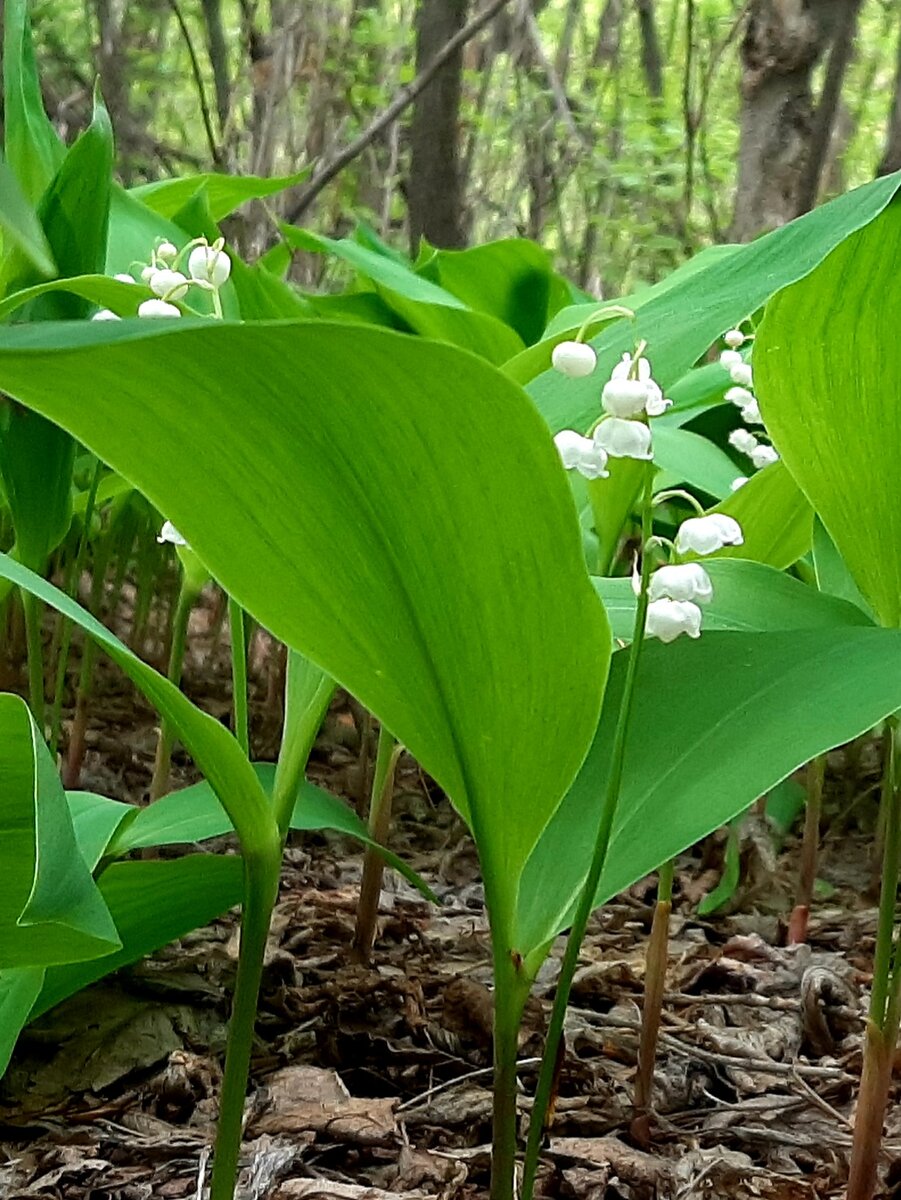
point(581, 454)
point(707, 534)
point(169, 285)
point(105, 314)
point(734, 338)
point(158, 308)
point(681, 581)
point(575, 360)
point(743, 440)
point(170, 534)
point(624, 439)
point(667, 619)
point(763, 456)
point(209, 265)
point(742, 374)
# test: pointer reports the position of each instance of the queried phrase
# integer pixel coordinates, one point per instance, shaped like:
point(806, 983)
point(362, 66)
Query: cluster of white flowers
point(677, 591)
point(742, 396)
point(628, 399)
point(208, 267)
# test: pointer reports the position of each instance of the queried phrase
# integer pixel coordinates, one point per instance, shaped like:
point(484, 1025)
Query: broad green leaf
point(19, 989)
point(33, 148)
point(397, 473)
point(833, 576)
point(426, 308)
point(697, 390)
point(20, 224)
point(308, 693)
point(748, 597)
point(775, 517)
point(50, 909)
point(210, 744)
point(716, 723)
point(224, 193)
point(152, 903)
point(101, 290)
point(612, 501)
point(508, 279)
point(134, 229)
point(96, 820)
point(36, 465)
point(687, 317)
point(828, 370)
point(693, 460)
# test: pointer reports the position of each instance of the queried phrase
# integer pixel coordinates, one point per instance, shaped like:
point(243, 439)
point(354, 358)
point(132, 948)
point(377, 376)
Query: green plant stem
point(187, 595)
point(548, 1071)
point(885, 997)
point(654, 979)
point(810, 847)
point(237, 623)
point(65, 645)
point(33, 608)
point(387, 755)
point(260, 892)
point(511, 989)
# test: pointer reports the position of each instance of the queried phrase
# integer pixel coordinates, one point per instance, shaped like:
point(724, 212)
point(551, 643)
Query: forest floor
point(373, 1082)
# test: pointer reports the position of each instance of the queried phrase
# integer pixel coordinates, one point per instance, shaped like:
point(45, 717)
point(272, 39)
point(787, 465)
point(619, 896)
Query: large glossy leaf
point(50, 909)
point(828, 365)
point(748, 597)
point(682, 321)
point(20, 225)
point(33, 148)
point(152, 903)
point(224, 193)
point(373, 477)
point(716, 723)
point(19, 989)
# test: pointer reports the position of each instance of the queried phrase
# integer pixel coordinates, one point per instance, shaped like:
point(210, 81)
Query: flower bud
point(750, 414)
point(158, 308)
point(171, 285)
point(681, 581)
point(147, 273)
point(123, 278)
point(105, 314)
point(738, 482)
point(730, 359)
point(742, 374)
point(624, 397)
point(743, 440)
point(734, 338)
point(624, 439)
point(739, 396)
point(206, 264)
point(705, 535)
point(575, 360)
point(764, 456)
point(166, 252)
point(666, 619)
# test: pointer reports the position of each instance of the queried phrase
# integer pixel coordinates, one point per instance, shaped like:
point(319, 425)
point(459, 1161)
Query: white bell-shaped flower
point(171, 285)
point(738, 396)
point(123, 278)
point(729, 359)
point(750, 414)
point(742, 374)
point(743, 440)
point(210, 265)
point(624, 439)
point(158, 308)
point(579, 453)
point(575, 360)
point(666, 619)
point(167, 252)
point(681, 581)
point(105, 314)
point(734, 338)
point(707, 534)
point(624, 397)
point(656, 403)
point(738, 482)
point(763, 456)
point(170, 534)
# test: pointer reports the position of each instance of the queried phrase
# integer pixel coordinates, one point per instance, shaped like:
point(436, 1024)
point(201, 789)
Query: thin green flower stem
point(379, 823)
point(33, 609)
point(511, 990)
point(237, 624)
point(546, 1077)
point(891, 865)
point(261, 879)
point(65, 645)
point(601, 314)
point(187, 595)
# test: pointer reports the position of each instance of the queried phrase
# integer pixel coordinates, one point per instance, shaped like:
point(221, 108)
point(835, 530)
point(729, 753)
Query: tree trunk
point(435, 194)
point(891, 155)
point(783, 42)
point(651, 58)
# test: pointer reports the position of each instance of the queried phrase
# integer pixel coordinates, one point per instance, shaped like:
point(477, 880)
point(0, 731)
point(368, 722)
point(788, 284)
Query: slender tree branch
point(402, 100)
point(215, 149)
